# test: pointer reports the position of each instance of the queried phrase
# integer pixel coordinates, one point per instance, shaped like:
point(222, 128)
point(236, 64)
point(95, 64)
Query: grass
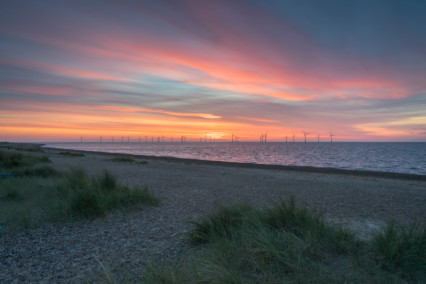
point(85, 196)
point(44, 172)
point(12, 194)
point(401, 250)
point(71, 154)
point(13, 160)
point(25, 201)
point(32, 194)
point(122, 159)
point(24, 149)
point(30, 200)
point(288, 244)
point(19, 165)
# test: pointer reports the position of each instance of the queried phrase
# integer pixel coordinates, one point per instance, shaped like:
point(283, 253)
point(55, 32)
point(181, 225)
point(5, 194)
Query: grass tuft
point(222, 223)
point(71, 154)
point(86, 204)
point(44, 159)
point(122, 159)
point(12, 160)
point(24, 149)
point(44, 172)
point(402, 250)
point(289, 244)
point(12, 193)
point(107, 181)
point(30, 196)
point(95, 196)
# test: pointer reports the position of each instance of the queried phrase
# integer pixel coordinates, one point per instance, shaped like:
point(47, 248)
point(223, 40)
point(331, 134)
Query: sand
point(124, 242)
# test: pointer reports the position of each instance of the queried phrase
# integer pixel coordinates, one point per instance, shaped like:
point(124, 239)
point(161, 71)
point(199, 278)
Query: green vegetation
point(13, 160)
point(402, 251)
point(25, 149)
point(31, 194)
point(71, 154)
point(44, 172)
point(24, 201)
point(122, 159)
point(287, 244)
point(83, 196)
point(12, 194)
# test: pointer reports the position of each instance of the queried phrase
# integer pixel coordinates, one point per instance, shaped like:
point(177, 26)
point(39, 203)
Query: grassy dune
point(32, 193)
point(287, 244)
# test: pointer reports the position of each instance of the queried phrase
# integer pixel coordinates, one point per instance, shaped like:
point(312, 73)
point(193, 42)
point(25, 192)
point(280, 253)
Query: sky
point(112, 69)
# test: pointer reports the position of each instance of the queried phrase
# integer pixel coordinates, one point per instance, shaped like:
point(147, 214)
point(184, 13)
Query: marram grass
point(289, 244)
point(71, 154)
point(85, 196)
point(31, 194)
point(122, 159)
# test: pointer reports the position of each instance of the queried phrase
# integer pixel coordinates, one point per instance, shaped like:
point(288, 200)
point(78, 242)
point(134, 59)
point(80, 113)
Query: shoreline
point(188, 188)
point(306, 169)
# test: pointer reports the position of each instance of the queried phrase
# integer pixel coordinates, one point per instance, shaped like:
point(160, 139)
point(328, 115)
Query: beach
point(124, 242)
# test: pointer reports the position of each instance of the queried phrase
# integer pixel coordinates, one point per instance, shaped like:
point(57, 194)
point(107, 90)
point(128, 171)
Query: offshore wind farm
point(368, 156)
point(214, 141)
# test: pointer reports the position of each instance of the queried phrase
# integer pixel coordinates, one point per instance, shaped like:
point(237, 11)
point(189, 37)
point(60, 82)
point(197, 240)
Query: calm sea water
point(385, 157)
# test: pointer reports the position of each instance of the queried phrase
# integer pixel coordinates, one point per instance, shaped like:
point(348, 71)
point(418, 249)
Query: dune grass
point(85, 196)
point(30, 200)
point(287, 244)
point(24, 149)
point(32, 194)
point(24, 201)
point(402, 251)
point(25, 185)
point(71, 154)
point(122, 159)
point(13, 160)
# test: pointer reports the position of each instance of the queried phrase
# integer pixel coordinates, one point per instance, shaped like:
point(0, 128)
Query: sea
point(399, 157)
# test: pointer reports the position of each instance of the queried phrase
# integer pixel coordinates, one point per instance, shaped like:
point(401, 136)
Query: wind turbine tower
point(305, 133)
point(331, 137)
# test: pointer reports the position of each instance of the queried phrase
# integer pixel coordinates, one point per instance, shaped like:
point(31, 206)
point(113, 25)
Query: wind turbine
point(331, 137)
point(305, 133)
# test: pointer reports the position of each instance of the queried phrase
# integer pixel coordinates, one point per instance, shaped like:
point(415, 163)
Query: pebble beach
point(123, 243)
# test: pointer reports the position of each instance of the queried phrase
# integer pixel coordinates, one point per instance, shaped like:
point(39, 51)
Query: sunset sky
point(195, 68)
